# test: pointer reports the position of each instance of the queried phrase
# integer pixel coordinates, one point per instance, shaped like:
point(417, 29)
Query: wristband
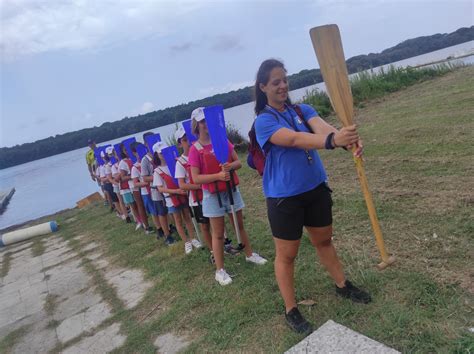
point(328, 145)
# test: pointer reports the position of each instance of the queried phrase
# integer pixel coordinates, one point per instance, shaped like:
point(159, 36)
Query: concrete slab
point(41, 341)
point(332, 337)
point(67, 279)
point(102, 342)
point(76, 303)
point(94, 256)
point(170, 343)
point(90, 246)
point(101, 264)
point(82, 322)
point(130, 286)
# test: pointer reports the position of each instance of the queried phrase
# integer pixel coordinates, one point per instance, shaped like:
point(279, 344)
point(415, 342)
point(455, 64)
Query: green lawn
point(419, 162)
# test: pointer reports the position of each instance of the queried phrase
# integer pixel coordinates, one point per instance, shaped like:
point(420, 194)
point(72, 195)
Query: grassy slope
point(419, 165)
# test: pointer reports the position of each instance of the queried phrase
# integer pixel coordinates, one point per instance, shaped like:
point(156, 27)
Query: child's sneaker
point(212, 260)
point(222, 277)
point(188, 247)
point(352, 292)
point(149, 230)
point(296, 321)
point(160, 234)
point(196, 243)
point(139, 226)
point(229, 249)
point(256, 258)
point(128, 220)
point(170, 240)
point(173, 228)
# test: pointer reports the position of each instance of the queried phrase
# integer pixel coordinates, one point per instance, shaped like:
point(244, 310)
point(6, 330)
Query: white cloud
point(147, 107)
point(32, 26)
point(230, 86)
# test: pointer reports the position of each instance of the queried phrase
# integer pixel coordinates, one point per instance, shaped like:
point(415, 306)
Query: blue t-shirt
point(287, 170)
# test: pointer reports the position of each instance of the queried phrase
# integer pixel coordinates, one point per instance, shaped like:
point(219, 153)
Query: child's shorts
point(210, 203)
point(128, 198)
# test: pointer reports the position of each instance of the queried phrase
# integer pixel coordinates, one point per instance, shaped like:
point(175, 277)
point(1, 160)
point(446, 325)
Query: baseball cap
point(179, 133)
point(198, 114)
point(159, 146)
point(90, 142)
point(109, 150)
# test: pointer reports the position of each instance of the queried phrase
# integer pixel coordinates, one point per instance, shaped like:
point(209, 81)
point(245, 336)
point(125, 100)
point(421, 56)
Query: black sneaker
point(296, 321)
point(128, 220)
point(212, 260)
point(160, 234)
point(230, 250)
point(170, 240)
point(352, 292)
point(173, 228)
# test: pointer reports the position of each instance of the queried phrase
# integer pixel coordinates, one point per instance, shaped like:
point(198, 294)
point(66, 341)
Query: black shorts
point(288, 215)
point(196, 212)
point(109, 188)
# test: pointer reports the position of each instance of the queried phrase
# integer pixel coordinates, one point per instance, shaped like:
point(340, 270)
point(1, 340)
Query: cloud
point(30, 27)
point(184, 47)
point(226, 43)
point(230, 86)
point(147, 107)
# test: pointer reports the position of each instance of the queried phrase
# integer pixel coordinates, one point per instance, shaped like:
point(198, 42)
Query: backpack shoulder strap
point(300, 114)
point(198, 146)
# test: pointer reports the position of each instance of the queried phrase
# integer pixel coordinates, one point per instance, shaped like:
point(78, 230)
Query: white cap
point(109, 150)
point(179, 133)
point(159, 146)
point(102, 154)
point(198, 114)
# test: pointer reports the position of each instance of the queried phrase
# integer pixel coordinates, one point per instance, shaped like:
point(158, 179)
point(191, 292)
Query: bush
point(240, 143)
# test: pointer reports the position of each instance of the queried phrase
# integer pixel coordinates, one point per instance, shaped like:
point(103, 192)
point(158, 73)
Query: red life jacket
point(176, 199)
point(124, 184)
point(197, 193)
point(138, 166)
point(210, 166)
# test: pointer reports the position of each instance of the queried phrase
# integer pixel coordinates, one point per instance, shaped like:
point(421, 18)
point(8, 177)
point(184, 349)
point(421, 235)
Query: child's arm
point(206, 179)
point(187, 186)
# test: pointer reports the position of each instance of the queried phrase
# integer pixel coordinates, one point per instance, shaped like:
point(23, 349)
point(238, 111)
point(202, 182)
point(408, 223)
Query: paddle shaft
point(328, 48)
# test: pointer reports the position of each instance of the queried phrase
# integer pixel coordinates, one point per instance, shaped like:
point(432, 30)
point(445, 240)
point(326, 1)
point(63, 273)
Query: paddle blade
point(141, 151)
point(171, 154)
point(189, 131)
point(117, 151)
point(152, 140)
point(127, 143)
point(328, 48)
point(216, 127)
point(97, 152)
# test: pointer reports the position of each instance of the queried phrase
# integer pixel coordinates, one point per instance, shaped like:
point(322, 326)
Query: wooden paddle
point(328, 48)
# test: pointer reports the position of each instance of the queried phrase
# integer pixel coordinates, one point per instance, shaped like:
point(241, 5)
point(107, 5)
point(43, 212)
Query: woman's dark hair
point(123, 152)
point(156, 159)
point(263, 76)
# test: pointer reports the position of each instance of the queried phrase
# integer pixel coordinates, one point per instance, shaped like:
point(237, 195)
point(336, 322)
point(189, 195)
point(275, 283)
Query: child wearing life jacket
point(154, 201)
point(126, 185)
point(185, 181)
point(140, 188)
point(115, 180)
point(207, 171)
point(107, 177)
point(176, 199)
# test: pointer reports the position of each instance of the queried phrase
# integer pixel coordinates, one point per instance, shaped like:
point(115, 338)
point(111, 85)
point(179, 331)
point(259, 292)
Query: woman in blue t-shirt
point(294, 183)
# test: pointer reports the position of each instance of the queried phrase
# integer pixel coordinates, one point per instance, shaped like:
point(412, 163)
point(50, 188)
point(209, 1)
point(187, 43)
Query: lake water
point(55, 183)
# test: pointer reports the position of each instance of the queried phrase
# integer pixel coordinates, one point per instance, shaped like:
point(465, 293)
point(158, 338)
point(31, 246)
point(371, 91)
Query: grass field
point(419, 162)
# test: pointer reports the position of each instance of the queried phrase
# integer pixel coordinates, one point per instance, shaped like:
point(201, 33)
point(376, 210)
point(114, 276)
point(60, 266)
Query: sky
point(73, 64)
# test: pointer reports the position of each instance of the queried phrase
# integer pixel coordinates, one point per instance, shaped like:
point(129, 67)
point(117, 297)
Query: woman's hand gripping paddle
point(328, 48)
point(216, 127)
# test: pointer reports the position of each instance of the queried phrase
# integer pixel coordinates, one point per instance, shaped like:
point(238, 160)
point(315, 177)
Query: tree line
point(18, 154)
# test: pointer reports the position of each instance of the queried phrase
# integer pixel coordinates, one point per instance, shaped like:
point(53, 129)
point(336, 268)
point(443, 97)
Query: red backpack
point(256, 156)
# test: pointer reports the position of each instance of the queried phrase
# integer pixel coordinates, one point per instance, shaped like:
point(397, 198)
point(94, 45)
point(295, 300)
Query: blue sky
point(72, 64)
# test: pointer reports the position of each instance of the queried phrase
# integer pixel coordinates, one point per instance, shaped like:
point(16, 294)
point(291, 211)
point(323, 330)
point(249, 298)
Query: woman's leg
point(286, 252)
point(321, 238)
point(141, 208)
point(217, 226)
